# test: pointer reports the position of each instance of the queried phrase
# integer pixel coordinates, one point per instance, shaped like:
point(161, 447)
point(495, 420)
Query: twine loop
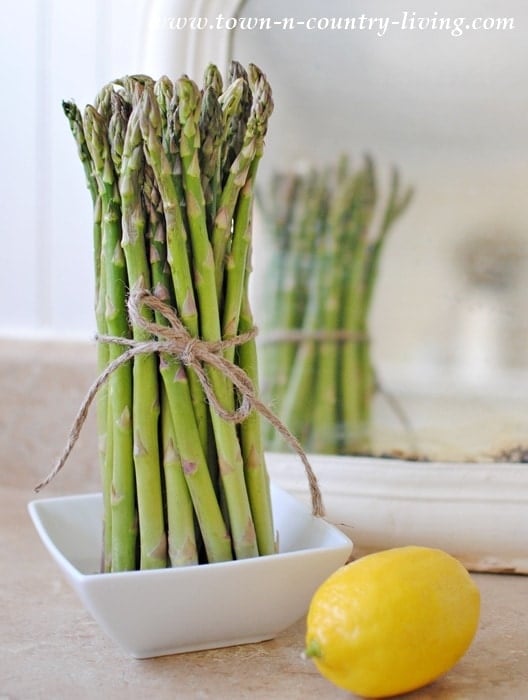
point(187, 355)
point(173, 339)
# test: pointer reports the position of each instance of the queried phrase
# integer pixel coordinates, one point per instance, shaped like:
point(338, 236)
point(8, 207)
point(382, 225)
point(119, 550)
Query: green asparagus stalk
point(166, 124)
point(157, 244)
point(237, 312)
point(104, 411)
point(164, 92)
point(296, 362)
point(238, 318)
point(123, 503)
point(162, 153)
point(153, 545)
point(171, 171)
point(236, 126)
point(132, 86)
point(181, 536)
point(397, 204)
point(228, 448)
point(103, 103)
point(280, 286)
point(115, 109)
point(74, 117)
point(329, 279)
point(251, 438)
point(239, 189)
point(251, 148)
point(212, 79)
point(189, 444)
point(211, 128)
point(229, 102)
point(324, 385)
point(355, 362)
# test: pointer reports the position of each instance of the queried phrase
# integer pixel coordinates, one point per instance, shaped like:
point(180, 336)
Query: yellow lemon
point(392, 621)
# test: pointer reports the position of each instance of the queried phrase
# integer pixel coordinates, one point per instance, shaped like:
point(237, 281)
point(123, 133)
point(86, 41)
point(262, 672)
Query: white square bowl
point(168, 611)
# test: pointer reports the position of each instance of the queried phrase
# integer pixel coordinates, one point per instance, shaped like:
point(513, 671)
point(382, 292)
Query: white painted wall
point(52, 50)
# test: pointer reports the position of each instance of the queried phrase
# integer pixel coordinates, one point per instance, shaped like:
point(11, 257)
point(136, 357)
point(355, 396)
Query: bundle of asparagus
point(328, 229)
point(171, 171)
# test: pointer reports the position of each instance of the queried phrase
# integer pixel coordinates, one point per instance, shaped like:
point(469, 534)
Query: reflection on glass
point(445, 103)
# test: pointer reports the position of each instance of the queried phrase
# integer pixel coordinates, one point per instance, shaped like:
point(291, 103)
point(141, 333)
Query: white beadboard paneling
point(172, 51)
point(122, 31)
point(71, 74)
point(93, 43)
point(53, 50)
point(18, 224)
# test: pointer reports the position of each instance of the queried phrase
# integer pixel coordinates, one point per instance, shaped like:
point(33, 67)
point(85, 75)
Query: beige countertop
point(51, 648)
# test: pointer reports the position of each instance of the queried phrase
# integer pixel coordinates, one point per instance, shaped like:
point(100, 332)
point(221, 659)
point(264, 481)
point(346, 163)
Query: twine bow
point(196, 354)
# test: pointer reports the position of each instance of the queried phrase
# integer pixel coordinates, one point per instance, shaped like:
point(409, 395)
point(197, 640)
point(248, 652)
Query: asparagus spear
point(189, 444)
point(153, 545)
point(212, 133)
point(164, 92)
point(329, 279)
point(239, 189)
point(116, 110)
point(307, 227)
point(211, 128)
point(338, 373)
point(181, 537)
point(301, 312)
point(212, 79)
point(397, 204)
point(236, 311)
point(256, 475)
point(165, 125)
point(103, 102)
point(355, 361)
point(228, 449)
point(280, 284)
point(236, 125)
point(123, 504)
point(74, 117)
point(238, 318)
point(182, 546)
point(252, 145)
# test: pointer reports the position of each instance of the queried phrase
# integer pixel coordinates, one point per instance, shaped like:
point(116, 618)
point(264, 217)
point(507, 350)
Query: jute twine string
point(196, 354)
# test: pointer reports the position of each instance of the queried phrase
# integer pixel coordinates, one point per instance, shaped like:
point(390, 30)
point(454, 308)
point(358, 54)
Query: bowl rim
point(342, 541)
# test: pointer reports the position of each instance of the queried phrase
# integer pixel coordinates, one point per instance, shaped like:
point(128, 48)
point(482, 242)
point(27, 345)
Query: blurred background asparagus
point(170, 168)
point(327, 229)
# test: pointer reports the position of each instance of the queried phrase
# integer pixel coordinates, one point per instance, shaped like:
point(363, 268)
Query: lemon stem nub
point(313, 648)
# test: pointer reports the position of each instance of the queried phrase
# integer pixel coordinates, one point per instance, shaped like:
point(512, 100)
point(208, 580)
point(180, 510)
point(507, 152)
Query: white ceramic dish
point(167, 611)
point(477, 512)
